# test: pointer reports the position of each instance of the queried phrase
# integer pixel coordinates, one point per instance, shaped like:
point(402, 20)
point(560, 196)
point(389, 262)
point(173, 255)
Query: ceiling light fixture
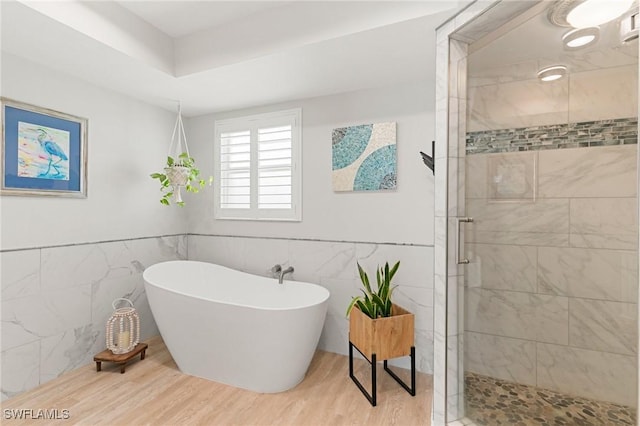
point(629, 27)
point(552, 73)
point(580, 37)
point(589, 13)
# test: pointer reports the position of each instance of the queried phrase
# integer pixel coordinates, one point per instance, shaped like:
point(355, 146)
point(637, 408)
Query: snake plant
point(375, 304)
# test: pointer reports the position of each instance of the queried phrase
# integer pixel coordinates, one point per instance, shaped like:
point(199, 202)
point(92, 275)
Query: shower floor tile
point(492, 402)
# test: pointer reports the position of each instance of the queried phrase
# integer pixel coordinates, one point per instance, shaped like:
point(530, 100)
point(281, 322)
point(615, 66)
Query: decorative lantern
point(123, 328)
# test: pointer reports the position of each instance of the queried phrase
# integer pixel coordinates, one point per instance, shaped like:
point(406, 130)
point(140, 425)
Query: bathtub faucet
point(283, 272)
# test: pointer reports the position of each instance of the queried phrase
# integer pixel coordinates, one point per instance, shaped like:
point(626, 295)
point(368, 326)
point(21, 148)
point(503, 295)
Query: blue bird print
point(53, 150)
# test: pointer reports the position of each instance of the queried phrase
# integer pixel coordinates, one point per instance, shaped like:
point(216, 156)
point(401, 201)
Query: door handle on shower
point(459, 259)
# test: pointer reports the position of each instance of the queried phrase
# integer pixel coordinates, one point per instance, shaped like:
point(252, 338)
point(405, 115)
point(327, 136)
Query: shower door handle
point(459, 220)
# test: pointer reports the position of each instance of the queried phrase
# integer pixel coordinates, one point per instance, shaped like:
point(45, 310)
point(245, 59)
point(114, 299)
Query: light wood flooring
point(154, 392)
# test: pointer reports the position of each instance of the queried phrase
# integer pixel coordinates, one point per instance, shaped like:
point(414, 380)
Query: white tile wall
point(592, 224)
point(488, 268)
point(536, 317)
point(56, 301)
point(598, 172)
point(29, 319)
point(556, 279)
point(518, 104)
point(496, 103)
point(20, 369)
point(590, 273)
point(603, 94)
point(67, 351)
point(505, 358)
point(598, 375)
point(603, 326)
point(20, 274)
point(544, 216)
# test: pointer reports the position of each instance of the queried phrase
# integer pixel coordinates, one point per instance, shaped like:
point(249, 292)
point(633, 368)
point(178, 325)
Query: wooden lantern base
point(122, 359)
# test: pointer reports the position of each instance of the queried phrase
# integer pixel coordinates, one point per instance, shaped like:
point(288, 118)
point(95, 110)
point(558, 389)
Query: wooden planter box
point(388, 337)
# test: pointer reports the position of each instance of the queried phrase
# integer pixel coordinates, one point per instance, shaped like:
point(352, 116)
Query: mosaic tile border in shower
point(491, 401)
point(619, 131)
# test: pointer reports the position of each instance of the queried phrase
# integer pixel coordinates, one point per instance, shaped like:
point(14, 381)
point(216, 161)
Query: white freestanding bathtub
point(236, 328)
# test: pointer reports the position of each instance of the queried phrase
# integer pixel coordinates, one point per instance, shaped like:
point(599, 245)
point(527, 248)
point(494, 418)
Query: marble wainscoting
point(56, 301)
point(333, 265)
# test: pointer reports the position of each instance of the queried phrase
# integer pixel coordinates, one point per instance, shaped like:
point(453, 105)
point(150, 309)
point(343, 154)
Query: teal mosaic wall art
point(364, 157)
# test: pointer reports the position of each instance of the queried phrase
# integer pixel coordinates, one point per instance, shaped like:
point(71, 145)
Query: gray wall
point(401, 216)
point(127, 140)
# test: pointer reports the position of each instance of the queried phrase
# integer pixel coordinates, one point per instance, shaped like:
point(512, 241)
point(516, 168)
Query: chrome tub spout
point(283, 273)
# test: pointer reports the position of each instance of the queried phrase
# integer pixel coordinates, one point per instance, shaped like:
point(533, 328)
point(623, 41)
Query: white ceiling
point(225, 55)
point(181, 18)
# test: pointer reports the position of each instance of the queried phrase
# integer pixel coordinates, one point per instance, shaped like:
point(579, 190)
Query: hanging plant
point(180, 173)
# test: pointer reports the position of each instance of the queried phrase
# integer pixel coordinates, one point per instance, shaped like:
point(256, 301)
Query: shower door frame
point(478, 19)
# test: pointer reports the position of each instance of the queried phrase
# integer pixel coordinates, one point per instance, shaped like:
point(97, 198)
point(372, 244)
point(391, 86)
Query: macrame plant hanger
point(177, 173)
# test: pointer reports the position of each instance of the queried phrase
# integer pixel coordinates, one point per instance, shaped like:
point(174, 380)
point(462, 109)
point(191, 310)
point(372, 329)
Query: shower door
point(547, 213)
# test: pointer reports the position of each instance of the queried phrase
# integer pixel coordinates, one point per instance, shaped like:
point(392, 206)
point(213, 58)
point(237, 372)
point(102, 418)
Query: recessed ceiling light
point(580, 37)
point(589, 13)
point(629, 27)
point(552, 73)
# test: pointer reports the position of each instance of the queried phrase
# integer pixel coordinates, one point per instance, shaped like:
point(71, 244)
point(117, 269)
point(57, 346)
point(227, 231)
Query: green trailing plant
point(190, 179)
point(375, 304)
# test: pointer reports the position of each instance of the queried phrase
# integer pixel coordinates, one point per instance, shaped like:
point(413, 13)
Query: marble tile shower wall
point(56, 301)
point(552, 288)
point(333, 265)
point(588, 96)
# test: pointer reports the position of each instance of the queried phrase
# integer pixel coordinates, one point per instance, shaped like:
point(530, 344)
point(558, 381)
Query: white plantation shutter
point(274, 167)
point(235, 170)
point(257, 167)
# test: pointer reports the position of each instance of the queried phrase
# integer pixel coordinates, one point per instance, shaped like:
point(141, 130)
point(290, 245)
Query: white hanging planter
point(177, 174)
point(180, 171)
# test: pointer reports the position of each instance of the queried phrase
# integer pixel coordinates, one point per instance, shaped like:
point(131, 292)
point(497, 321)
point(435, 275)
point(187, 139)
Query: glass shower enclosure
point(540, 254)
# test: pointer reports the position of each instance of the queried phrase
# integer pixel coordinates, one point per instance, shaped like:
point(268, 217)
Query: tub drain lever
point(275, 270)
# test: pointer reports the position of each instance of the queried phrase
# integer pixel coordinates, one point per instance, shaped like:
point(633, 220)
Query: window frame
point(252, 123)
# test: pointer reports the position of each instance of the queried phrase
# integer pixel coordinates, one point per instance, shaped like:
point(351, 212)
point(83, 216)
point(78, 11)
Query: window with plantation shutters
point(257, 167)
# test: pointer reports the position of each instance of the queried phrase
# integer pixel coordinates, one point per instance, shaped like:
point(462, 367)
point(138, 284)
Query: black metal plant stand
point(372, 397)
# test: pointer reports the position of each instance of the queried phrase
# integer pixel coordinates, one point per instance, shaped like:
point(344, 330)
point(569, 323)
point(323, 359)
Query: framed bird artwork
point(44, 152)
